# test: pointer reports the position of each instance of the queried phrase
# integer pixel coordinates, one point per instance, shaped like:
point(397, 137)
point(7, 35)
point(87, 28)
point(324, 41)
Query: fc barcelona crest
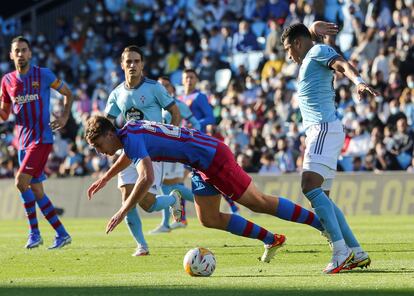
point(35, 84)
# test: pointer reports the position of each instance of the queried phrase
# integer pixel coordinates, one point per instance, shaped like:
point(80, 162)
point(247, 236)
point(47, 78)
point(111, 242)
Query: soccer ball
point(199, 262)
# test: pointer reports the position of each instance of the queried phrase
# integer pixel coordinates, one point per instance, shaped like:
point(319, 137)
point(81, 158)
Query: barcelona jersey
point(164, 142)
point(29, 95)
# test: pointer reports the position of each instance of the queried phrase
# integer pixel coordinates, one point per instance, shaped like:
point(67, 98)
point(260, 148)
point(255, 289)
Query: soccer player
point(175, 173)
point(217, 173)
point(324, 136)
point(141, 98)
point(198, 103)
point(25, 92)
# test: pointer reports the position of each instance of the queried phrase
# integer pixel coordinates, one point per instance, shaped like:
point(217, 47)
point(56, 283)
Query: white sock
point(357, 250)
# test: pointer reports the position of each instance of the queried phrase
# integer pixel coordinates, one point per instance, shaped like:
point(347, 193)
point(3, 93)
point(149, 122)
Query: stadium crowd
point(236, 50)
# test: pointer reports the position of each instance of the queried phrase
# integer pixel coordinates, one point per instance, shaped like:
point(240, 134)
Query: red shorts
point(225, 174)
point(33, 159)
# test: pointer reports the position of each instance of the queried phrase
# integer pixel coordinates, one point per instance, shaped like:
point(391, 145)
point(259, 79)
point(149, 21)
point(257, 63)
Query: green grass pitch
point(100, 264)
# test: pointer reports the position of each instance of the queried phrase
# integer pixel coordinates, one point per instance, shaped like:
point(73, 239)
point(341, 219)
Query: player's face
point(105, 144)
point(189, 80)
point(132, 64)
point(20, 54)
point(292, 51)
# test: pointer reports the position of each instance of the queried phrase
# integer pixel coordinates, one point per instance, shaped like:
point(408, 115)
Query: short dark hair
point(294, 31)
point(97, 126)
point(133, 48)
point(20, 39)
point(190, 70)
point(166, 78)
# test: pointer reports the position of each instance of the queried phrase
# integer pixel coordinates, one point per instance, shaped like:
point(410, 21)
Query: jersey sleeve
point(51, 79)
point(134, 147)
point(323, 54)
point(111, 107)
point(162, 96)
point(206, 110)
point(4, 95)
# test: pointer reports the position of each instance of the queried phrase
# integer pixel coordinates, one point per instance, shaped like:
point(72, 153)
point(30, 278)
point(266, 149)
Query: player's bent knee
point(21, 185)
point(209, 222)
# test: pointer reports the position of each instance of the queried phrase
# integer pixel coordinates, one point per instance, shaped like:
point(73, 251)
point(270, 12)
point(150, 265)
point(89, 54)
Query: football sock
point(161, 202)
point(349, 236)
point(134, 224)
point(326, 213)
point(240, 226)
point(49, 212)
point(29, 203)
point(287, 210)
point(357, 250)
point(233, 207)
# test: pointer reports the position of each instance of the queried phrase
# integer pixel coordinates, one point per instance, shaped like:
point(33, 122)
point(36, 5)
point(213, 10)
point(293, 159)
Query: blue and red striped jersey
point(164, 142)
point(29, 95)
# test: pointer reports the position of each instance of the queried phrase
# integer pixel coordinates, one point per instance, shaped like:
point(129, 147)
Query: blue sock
point(349, 236)
point(288, 210)
point(29, 203)
point(161, 202)
point(240, 226)
point(326, 213)
point(49, 212)
point(134, 224)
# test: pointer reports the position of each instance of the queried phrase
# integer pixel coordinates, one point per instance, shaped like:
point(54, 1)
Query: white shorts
point(323, 145)
point(173, 170)
point(130, 176)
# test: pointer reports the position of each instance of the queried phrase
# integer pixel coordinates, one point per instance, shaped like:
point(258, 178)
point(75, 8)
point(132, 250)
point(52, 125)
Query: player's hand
point(321, 29)
point(59, 122)
point(96, 186)
point(364, 89)
point(115, 220)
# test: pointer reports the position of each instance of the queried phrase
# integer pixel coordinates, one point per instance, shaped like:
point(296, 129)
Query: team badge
point(35, 84)
point(134, 114)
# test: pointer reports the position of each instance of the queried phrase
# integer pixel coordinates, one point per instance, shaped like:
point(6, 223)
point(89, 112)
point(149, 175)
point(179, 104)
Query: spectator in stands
point(244, 40)
point(268, 165)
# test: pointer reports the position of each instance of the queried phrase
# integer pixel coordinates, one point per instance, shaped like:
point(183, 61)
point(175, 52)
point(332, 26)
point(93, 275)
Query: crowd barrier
point(354, 193)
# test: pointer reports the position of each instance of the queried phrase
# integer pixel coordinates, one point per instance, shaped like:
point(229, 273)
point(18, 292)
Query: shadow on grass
point(174, 290)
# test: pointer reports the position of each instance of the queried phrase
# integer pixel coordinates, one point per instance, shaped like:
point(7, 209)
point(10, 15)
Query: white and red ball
point(199, 262)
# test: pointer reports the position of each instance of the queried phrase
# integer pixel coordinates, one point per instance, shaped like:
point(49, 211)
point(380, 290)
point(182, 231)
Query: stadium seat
point(254, 59)
point(222, 78)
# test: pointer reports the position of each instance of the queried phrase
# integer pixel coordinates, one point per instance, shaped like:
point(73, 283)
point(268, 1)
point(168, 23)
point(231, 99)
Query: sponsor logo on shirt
point(25, 99)
point(134, 114)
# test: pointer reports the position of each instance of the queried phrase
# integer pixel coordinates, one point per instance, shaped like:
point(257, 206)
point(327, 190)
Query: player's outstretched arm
point(143, 184)
point(320, 29)
point(341, 65)
point(61, 121)
point(121, 163)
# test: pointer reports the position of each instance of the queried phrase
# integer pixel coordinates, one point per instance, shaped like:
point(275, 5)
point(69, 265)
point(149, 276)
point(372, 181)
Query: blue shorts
point(201, 187)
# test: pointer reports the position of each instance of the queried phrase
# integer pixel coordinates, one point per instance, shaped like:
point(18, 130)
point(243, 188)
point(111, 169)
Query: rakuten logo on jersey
point(25, 99)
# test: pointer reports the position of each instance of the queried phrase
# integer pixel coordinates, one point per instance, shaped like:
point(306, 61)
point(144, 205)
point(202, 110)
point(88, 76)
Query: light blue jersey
point(315, 86)
point(142, 102)
point(185, 114)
